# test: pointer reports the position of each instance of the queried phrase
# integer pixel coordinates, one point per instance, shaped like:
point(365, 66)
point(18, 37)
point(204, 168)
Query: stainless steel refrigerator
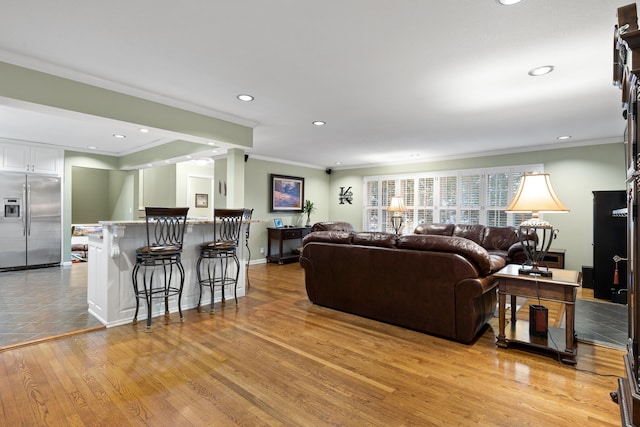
point(30, 225)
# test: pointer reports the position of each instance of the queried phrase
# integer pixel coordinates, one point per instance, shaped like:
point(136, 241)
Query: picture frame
point(202, 200)
point(277, 222)
point(287, 193)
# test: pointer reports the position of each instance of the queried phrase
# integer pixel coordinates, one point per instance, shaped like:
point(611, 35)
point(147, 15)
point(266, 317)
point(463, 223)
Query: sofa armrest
point(516, 252)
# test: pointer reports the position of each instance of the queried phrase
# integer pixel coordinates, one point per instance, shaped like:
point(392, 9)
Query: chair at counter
point(165, 234)
point(218, 264)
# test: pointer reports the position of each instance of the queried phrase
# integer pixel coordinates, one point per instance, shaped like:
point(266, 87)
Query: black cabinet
point(609, 239)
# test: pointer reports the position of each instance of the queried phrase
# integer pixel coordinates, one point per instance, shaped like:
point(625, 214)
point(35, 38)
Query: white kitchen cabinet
point(30, 158)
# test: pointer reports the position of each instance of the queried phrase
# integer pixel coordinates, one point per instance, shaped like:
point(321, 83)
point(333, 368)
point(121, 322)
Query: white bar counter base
point(112, 256)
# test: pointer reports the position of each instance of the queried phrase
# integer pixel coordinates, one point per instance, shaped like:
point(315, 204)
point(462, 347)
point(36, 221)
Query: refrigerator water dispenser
point(12, 208)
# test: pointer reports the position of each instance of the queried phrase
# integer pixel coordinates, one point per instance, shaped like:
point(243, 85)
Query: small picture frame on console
point(278, 223)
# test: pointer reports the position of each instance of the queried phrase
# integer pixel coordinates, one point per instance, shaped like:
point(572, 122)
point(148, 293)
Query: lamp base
point(535, 271)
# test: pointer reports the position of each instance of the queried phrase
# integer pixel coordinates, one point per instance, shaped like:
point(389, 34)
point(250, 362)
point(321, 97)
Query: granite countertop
point(190, 221)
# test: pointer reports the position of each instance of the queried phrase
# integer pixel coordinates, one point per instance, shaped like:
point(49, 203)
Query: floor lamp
point(398, 208)
point(535, 195)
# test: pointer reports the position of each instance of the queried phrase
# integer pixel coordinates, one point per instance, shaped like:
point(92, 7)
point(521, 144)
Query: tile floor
point(41, 303)
point(601, 322)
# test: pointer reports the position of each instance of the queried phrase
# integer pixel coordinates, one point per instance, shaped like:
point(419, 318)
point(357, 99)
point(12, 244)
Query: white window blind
point(477, 196)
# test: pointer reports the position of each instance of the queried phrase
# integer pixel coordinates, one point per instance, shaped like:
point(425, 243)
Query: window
point(477, 196)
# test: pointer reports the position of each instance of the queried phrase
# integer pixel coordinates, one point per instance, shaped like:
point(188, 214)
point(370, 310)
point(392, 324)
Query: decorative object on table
point(308, 209)
point(535, 195)
point(345, 195)
point(397, 207)
point(277, 222)
point(538, 320)
point(202, 200)
point(287, 193)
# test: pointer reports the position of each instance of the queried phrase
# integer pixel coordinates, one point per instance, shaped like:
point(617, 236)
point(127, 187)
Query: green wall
point(90, 193)
point(257, 196)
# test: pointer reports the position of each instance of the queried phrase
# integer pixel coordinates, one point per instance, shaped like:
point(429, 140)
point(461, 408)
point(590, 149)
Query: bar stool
point(214, 266)
point(165, 233)
point(247, 217)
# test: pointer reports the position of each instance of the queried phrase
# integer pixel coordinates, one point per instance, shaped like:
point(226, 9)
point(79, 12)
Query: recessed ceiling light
point(211, 143)
point(118, 135)
point(508, 2)
point(144, 130)
point(564, 137)
point(337, 163)
point(92, 147)
point(319, 123)
point(245, 97)
point(149, 164)
point(540, 71)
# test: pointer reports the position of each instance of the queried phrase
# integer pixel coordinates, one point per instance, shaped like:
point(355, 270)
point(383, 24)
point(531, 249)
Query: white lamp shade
point(397, 205)
point(535, 194)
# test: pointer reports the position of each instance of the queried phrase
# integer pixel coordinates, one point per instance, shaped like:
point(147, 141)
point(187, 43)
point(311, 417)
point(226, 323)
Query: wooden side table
point(281, 235)
point(561, 287)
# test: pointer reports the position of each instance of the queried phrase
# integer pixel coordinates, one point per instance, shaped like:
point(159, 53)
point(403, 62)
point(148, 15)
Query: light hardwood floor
point(279, 360)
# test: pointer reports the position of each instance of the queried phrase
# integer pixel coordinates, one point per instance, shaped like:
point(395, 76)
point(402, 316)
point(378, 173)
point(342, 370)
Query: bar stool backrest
point(227, 225)
point(165, 226)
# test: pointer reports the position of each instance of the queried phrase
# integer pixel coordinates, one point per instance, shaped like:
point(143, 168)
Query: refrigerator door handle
point(28, 210)
point(24, 213)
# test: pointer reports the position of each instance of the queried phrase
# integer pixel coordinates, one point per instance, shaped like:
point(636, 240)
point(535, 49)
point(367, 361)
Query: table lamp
point(535, 195)
point(397, 207)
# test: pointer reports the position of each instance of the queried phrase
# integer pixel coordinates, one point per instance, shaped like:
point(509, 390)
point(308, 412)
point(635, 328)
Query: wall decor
point(287, 193)
point(345, 195)
point(202, 200)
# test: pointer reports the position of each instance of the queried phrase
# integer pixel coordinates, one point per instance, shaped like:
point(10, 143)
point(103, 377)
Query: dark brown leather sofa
point(502, 241)
point(441, 285)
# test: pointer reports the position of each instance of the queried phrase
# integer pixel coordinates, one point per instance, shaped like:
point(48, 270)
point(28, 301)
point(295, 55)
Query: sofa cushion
point(435, 229)
point(500, 238)
point(343, 237)
point(372, 238)
point(473, 232)
point(458, 245)
point(332, 226)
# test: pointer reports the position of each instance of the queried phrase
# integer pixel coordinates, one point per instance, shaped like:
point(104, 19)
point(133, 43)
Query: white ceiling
point(393, 79)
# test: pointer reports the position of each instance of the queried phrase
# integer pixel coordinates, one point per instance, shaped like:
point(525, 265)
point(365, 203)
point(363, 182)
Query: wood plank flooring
point(279, 360)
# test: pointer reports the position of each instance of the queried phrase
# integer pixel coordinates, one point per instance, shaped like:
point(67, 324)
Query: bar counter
point(112, 256)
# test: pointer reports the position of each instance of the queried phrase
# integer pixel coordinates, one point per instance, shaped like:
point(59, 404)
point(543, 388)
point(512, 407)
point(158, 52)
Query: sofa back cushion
point(500, 238)
point(372, 238)
point(473, 232)
point(435, 229)
point(343, 237)
point(332, 226)
point(458, 245)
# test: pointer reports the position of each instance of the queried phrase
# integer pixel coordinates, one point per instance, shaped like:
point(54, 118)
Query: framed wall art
point(202, 200)
point(287, 193)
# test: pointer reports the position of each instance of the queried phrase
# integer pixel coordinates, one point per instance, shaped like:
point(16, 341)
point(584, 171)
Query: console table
point(281, 235)
point(561, 287)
